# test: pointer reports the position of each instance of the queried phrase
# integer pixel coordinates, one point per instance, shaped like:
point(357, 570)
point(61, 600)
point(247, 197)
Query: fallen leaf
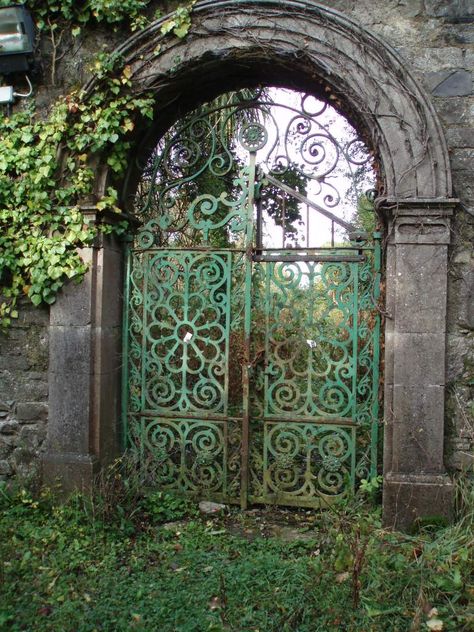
point(435, 624)
point(342, 577)
point(215, 603)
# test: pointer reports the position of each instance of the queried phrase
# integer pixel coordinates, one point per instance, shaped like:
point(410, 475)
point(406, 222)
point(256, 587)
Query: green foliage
point(46, 165)
point(45, 169)
point(48, 13)
point(372, 486)
point(180, 23)
point(66, 568)
point(166, 507)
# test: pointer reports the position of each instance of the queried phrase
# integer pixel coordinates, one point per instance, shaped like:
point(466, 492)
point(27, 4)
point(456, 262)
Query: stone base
point(408, 497)
point(71, 472)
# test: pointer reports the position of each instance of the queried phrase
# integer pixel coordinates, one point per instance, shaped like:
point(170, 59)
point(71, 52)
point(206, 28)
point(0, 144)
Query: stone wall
point(23, 394)
point(436, 39)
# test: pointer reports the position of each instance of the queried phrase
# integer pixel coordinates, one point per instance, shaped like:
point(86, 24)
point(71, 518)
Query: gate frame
point(306, 46)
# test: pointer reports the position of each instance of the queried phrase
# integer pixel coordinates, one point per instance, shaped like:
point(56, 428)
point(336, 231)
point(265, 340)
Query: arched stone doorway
point(312, 48)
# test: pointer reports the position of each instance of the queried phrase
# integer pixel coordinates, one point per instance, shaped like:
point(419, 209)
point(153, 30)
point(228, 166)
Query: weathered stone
point(207, 507)
point(462, 256)
point(32, 437)
point(462, 159)
point(69, 413)
point(5, 468)
point(5, 449)
point(418, 308)
point(452, 10)
point(459, 349)
point(72, 472)
point(9, 427)
point(418, 424)
point(456, 111)
point(29, 315)
point(450, 83)
point(71, 348)
point(28, 411)
point(434, 59)
point(73, 305)
point(460, 136)
point(462, 34)
point(408, 498)
point(419, 359)
point(15, 363)
point(22, 457)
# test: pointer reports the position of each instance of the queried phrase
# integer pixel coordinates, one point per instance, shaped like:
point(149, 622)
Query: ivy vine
point(45, 164)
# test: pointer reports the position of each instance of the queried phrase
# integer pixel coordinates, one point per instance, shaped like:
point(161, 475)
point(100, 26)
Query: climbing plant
point(46, 163)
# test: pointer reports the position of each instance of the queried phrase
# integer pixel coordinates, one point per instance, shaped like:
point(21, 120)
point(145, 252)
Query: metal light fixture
point(16, 39)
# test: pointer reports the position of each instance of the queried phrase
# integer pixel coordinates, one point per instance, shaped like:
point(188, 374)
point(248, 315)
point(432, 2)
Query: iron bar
point(313, 258)
point(302, 198)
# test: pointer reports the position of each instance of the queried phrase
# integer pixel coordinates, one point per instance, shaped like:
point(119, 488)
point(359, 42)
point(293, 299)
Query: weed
point(111, 563)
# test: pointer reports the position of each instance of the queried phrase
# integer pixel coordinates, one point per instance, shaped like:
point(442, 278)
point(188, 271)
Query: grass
point(124, 560)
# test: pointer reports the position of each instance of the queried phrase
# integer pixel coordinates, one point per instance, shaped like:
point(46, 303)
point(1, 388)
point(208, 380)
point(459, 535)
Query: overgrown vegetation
point(125, 560)
point(47, 164)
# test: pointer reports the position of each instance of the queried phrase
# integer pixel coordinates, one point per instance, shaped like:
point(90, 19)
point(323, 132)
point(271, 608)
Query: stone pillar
point(415, 481)
point(84, 367)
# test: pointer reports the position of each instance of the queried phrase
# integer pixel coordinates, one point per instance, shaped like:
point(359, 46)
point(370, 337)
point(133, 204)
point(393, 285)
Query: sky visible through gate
point(319, 150)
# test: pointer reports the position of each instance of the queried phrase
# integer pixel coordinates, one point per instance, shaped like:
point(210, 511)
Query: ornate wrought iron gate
point(251, 370)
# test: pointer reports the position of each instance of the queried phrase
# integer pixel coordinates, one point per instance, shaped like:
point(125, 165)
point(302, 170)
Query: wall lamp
point(17, 38)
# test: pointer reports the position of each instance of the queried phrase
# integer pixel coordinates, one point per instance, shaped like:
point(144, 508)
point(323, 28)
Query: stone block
point(32, 437)
point(36, 387)
point(408, 499)
point(69, 413)
point(421, 285)
point(453, 10)
point(9, 427)
point(450, 83)
point(110, 288)
point(461, 299)
point(5, 449)
point(462, 159)
point(108, 350)
point(22, 457)
point(459, 347)
point(460, 136)
point(71, 472)
point(105, 430)
point(5, 468)
point(460, 34)
point(455, 111)
point(30, 411)
point(73, 306)
point(70, 349)
point(29, 315)
point(419, 359)
point(428, 60)
point(15, 363)
point(418, 428)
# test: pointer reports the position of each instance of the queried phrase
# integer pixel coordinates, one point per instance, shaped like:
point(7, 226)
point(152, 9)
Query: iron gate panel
point(250, 373)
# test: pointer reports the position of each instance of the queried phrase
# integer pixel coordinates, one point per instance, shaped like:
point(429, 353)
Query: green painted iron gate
point(251, 368)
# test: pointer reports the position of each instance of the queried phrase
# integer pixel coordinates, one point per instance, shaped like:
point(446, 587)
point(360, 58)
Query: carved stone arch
point(302, 45)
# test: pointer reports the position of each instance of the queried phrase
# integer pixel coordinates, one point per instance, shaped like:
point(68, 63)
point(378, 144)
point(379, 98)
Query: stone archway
point(309, 47)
